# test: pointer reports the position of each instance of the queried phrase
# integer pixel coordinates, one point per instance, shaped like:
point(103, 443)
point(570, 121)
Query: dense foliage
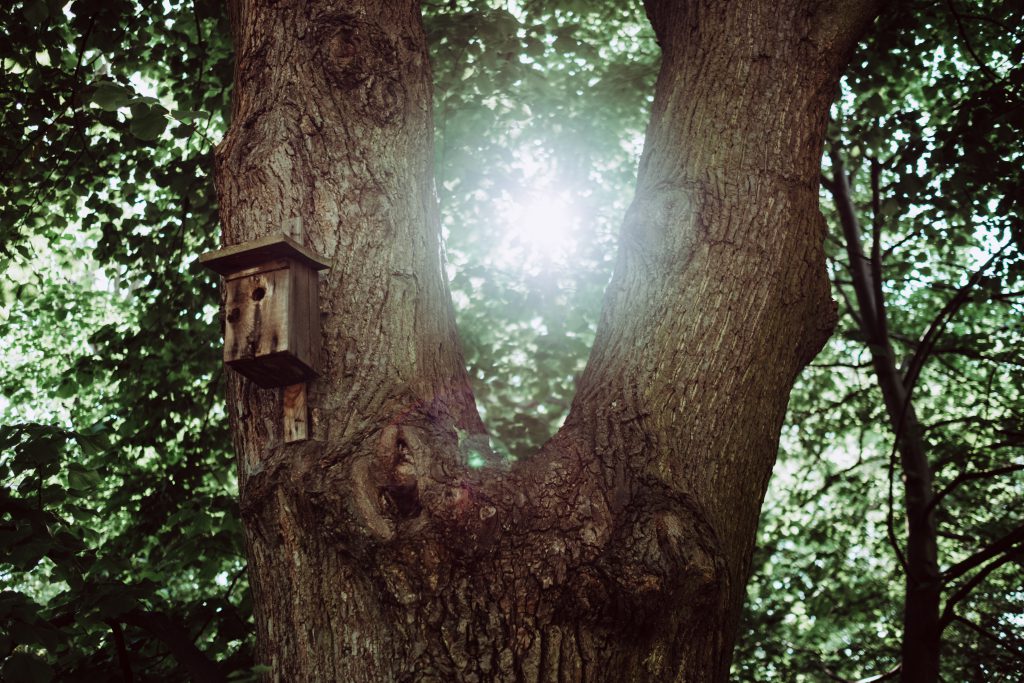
point(121, 548)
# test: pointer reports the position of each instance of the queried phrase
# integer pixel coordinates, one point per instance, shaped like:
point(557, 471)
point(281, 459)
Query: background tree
point(104, 324)
point(927, 256)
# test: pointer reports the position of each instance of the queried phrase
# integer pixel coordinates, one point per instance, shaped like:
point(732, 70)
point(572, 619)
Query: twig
point(987, 634)
point(199, 667)
point(935, 329)
point(992, 77)
point(876, 250)
point(227, 594)
point(965, 477)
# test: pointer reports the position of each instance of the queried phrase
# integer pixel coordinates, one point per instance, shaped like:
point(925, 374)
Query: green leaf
point(110, 96)
point(149, 122)
point(8, 436)
point(82, 479)
point(187, 116)
point(39, 453)
point(36, 11)
point(22, 667)
point(67, 388)
point(27, 555)
point(93, 440)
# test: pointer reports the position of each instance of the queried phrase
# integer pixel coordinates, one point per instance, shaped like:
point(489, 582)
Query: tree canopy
point(122, 549)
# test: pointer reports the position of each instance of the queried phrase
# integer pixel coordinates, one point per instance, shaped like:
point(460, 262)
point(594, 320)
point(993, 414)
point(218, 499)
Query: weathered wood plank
point(296, 413)
point(268, 328)
point(256, 315)
point(302, 326)
point(276, 264)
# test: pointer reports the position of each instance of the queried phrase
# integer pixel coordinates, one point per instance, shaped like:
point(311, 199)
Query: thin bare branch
point(965, 477)
point(192, 659)
point(937, 327)
point(985, 69)
point(876, 250)
point(985, 633)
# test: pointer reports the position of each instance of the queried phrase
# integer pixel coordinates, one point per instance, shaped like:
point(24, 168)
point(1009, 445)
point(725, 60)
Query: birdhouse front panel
point(268, 315)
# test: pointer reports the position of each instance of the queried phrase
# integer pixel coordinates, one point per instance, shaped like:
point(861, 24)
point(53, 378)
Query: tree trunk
point(919, 653)
point(621, 549)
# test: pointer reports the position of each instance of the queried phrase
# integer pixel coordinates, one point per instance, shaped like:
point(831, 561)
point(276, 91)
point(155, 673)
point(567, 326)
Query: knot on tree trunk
point(610, 558)
point(481, 564)
point(661, 557)
point(414, 478)
point(364, 63)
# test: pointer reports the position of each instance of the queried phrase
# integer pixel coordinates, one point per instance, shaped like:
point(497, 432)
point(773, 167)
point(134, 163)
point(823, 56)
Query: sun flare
point(541, 228)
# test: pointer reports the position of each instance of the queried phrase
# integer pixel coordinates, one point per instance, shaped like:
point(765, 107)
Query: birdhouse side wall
point(304, 314)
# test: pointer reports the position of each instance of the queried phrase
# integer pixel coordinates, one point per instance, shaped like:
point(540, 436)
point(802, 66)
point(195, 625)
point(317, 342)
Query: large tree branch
point(871, 307)
point(127, 675)
point(873, 320)
point(964, 591)
point(882, 322)
point(1001, 545)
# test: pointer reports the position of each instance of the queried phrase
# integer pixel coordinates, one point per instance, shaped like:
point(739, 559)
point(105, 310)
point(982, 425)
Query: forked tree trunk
point(621, 549)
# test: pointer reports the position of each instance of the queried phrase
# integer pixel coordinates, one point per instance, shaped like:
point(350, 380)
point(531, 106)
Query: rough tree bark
point(621, 549)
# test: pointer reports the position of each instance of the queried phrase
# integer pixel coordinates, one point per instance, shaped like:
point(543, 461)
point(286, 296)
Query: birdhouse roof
point(251, 254)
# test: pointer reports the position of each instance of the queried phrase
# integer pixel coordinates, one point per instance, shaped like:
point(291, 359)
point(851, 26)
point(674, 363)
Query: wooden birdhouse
point(271, 309)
